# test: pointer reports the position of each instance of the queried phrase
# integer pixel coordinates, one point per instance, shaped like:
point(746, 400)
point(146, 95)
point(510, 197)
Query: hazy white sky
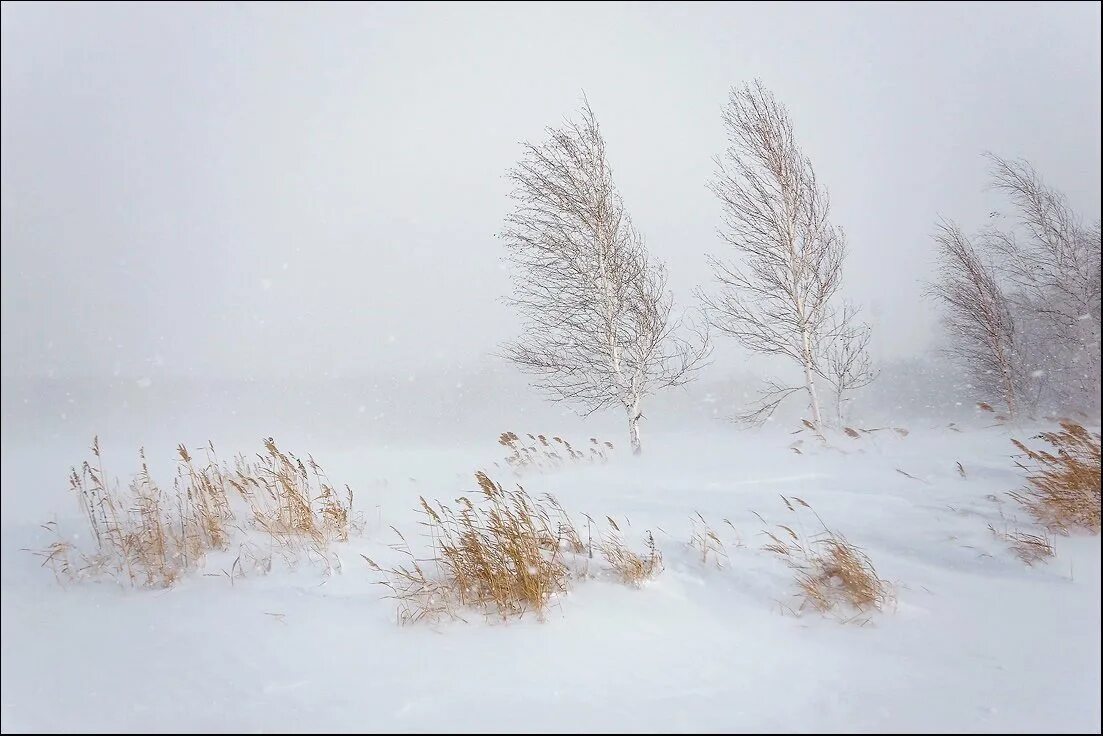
point(306, 189)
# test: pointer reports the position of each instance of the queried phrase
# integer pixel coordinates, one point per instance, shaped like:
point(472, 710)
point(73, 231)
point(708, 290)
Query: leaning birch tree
point(978, 315)
point(597, 315)
point(1050, 263)
point(775, 297)
point(1022, 299)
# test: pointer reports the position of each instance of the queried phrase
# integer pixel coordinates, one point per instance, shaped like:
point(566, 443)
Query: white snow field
point(976, 641)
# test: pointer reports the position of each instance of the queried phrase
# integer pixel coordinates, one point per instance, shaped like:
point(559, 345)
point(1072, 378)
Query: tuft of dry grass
point(505, 553)
point(705, 542)
point(984, 406)
point(538, 453)
point(291, 500)
point(830, 571)
point(854, 433)
point(419, 597)
point(630, 567)
point(1027, 546)
point(148, 536)
point(1063, 489)
point(144, 535)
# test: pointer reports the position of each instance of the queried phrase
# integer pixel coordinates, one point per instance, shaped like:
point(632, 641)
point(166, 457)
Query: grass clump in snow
point(504, 554)
point(831, 572)
point(291, 500)
point(150, 536)
point(1027, 546)
point(705, 542)
point(538, 453)
point(630, 567)
point(1063, 491)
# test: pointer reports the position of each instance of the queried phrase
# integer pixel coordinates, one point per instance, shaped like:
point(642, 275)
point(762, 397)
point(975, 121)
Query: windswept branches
point(777, 299)
point(1023, 303)
point(598, 322)
point(846, 363)
point(978, 315)
point(1052, 268)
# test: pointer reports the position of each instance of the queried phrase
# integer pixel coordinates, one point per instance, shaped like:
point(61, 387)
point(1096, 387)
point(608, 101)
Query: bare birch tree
point(1023, 303)
point(777, 299)
point(1051, 263)
point(845, 362)
point(598, 323)
point(979, 317)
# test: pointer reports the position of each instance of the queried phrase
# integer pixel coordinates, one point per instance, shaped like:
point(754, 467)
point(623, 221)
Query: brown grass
point(1063, 491)
point(705, 542)
point(1027, 546)
point(292, 500)
point(539, 453)
point(148, 536)
point(830, 571)
point(504, 554)
point(631, 568)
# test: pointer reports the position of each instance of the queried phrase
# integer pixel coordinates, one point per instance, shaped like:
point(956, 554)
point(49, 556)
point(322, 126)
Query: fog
point(311, 193)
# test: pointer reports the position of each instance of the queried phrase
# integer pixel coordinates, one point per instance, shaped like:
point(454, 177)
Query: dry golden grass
point(418, 596)
point(292, 500)
point(538, 453)
point(989, 409)
point(830, 571)
point(824, 438)
point(144, 535)
point(1027, 546)
point(705, 542)
point(631, 568)
point(148, 536)
point(504, 554)
point(1063, 492)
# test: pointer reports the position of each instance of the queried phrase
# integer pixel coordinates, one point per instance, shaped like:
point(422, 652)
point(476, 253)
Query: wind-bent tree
point(777, 299)
point(598, 328)
point(1050, 262)
point(978, 315)
point(1023, 298)
point(845, 362)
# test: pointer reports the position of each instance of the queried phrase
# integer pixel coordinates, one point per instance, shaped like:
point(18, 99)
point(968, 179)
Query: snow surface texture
point(977, 640)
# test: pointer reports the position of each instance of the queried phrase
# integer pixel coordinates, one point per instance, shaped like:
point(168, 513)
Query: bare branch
point(846, 363)
point(776, 299)
point(978, 315)
point(597, 315)
point(1051, 264)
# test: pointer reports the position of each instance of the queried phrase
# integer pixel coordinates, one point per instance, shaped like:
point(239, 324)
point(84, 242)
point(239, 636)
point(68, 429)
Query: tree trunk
point(634, 415)
point(813, 397)
point(1009, 398)
point(810, 382)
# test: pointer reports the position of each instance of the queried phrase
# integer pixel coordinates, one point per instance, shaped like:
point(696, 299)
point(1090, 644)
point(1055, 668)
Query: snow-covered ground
point(977, 641)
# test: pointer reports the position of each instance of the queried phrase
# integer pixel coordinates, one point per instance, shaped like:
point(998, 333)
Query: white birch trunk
point(810, 382)
point(634, 415)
